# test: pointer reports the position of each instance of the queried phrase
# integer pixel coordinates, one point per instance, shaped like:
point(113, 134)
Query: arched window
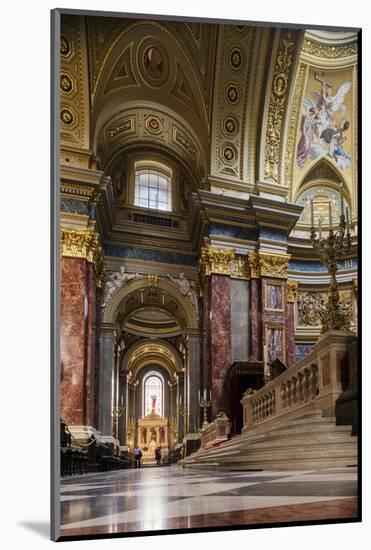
point(153, 393)
point(153, 188)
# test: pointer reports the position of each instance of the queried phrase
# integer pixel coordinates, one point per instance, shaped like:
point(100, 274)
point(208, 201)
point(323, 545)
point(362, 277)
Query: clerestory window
point(153, 189)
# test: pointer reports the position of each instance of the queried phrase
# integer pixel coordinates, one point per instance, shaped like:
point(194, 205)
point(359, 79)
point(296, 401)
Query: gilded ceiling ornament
point(329, 52)
point(277, 103)
point(184, 142)
point(228, 154)
point(292, 287)
point(66, 83)
point(65, 46)
point(236, 59)
point(120, 127)
point(230, 126)
point(293, 124)
point(67, 116)
point(232, 94)
point(274, 265)
point(154, 125)
point(84, 244)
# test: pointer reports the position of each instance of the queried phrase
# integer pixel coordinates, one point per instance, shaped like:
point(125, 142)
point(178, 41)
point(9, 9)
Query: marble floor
point(151, 499)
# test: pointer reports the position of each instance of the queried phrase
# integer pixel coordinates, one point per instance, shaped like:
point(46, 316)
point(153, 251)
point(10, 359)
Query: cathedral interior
point(208, 272)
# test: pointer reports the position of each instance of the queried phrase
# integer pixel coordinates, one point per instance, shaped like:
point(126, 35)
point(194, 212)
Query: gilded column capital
point(215, 260)
point(274, 265)
point(292, 288)
point(85, 244)
point(254, 264)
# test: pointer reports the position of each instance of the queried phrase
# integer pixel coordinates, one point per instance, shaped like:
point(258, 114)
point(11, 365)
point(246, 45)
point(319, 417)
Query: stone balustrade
point(314, 383)
point(216, 432)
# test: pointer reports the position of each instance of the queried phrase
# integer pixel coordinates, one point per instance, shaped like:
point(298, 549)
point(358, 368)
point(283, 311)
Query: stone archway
point(156, 311)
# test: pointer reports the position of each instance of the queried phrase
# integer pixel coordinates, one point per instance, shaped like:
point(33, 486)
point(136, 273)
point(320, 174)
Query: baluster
point(273, 402)
point(283, 395)
point(300, 396)
point(294, 390)
point(314, 381)
point(289, 393)
point(306, 384)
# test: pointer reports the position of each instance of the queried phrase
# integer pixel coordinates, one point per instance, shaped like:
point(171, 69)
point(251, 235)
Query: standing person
point(137, 456)
point(158, 455)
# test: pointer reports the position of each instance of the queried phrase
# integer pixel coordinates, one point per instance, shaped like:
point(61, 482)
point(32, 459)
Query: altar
point(152, 433)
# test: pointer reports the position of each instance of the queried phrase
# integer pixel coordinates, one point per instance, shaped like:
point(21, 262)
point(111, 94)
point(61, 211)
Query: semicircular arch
point(135, 285)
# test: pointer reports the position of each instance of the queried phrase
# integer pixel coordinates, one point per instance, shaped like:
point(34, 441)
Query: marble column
point(291, 292)
point(122, 403)
point(219, 324)
point(107, 369)
point(77, 345)
point(255, 321)
point(193, 374)
point(181, 400)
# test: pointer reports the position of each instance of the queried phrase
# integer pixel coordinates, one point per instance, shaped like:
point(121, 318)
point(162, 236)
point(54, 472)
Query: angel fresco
point(324, 125)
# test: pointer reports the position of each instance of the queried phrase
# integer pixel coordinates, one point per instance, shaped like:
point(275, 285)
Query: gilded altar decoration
point(84, 244)
point(292, 288)
point(274, 265)
point(277, 103)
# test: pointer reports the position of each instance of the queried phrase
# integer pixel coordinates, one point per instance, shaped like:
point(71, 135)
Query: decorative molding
point(294, 120)
point(277, 103)
point(84, 244)
point(328, 51)
point(292, 288)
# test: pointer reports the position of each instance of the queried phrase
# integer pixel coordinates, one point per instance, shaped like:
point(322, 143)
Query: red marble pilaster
point(220, 340)
point(255, 320)
point(290, 334)
point(77, 354)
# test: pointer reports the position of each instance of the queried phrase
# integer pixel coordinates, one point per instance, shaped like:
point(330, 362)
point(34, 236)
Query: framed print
point(205, 274)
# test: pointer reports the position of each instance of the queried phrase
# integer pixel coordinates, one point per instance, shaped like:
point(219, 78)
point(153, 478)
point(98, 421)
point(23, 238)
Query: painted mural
point(327, 119)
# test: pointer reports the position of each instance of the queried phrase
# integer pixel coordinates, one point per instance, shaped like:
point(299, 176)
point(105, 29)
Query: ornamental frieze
point(274, 265)
point(311, 306)
point(84, 244)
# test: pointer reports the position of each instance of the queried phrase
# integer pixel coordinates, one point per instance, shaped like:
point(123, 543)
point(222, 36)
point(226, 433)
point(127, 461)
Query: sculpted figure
point(186, 287)
point(115, 281)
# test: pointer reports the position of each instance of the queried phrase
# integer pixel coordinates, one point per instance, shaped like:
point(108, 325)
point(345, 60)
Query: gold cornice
point(292, 287)
point(84, 244)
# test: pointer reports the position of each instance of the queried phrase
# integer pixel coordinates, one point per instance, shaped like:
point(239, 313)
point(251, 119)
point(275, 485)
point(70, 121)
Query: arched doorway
point(151, 328)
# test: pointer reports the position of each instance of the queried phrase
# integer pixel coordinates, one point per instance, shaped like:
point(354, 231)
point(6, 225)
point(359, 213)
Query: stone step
point(289, 452)
point(317, 432)
point(302, 464)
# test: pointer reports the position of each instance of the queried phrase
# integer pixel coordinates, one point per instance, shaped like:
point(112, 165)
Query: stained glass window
point(153, 394)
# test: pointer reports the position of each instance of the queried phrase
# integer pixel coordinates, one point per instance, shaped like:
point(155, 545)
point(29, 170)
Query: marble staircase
point(304, 442)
